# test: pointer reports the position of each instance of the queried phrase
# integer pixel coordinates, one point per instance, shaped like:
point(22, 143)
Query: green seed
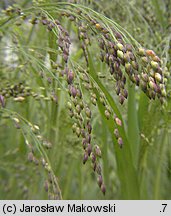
point(158, 77)
point(120, 54)
point(154, 64)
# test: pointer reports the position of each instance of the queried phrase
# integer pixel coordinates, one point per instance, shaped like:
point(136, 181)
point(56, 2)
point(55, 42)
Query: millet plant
point(85, 99)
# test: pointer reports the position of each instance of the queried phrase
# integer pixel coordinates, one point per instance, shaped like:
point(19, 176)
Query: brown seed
point(70, 77)
point(88, 112)
point(73, 91)
point(107, 114)
point(128, 68)
point(98, 169)
point(144, 77)
point(125, 93)
point(98, 151)
point(121, 99)
point(156, 59)
point(100, 180)
point(89, 149)
point(2, 101)
point(30, 156)
point(93, 157)
point(103, 189)
point(150, 53)
point(94, 166)
point(46, 186)
point(85, 158)
point(89, 127)
point(88, 138)
point(118, 35)
point(118, 121)
point(129, 47)
point(83, 133)
point(116, 133)
point(120, 142)
point(84, 142)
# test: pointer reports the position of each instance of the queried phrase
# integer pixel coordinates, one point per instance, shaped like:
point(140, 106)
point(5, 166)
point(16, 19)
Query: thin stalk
point(133, 127)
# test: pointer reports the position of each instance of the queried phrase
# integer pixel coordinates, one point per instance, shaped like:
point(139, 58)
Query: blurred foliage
point(40, 156)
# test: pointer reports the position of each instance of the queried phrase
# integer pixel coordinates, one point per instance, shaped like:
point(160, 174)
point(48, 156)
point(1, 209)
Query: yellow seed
point(36, 127)
point(98, 26)
point(158, 77)
point(154, 64)
point(118, 121)
point(19, 99)
point(16, 120)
